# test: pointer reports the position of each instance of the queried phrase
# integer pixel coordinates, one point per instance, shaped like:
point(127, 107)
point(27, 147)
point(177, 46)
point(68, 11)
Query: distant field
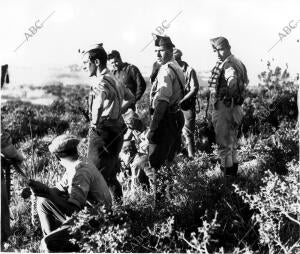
point(27, 83)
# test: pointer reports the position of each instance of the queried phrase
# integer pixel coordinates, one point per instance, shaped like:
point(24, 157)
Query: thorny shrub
point(260, 217)
point(277, 208)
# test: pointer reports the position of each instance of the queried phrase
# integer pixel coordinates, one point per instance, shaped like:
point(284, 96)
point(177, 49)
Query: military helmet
point(162, 41)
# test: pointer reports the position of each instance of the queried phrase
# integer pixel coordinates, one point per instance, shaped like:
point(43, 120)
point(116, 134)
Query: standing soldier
point(188, 103)
point(229, 78)
point(107, 125)
point(166, 117)
point(9, 156)
point(128, 74)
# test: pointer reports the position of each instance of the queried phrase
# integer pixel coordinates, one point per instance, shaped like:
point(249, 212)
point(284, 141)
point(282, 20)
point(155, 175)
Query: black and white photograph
point(150, 126)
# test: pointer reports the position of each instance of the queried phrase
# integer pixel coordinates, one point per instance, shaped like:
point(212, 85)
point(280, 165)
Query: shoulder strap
point(180, 83)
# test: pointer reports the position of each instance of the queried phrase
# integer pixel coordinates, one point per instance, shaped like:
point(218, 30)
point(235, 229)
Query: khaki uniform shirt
point(106, 97)
point(232, 68)
point(84, 184)
point(166, 86)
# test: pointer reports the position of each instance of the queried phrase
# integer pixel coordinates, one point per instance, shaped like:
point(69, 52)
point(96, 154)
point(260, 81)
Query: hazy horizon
point(252, 27)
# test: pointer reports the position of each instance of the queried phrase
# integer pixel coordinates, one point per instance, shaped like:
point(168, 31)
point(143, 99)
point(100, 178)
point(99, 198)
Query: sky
point(252, 28)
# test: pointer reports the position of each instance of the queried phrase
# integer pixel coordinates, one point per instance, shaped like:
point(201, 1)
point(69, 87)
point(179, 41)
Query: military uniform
point(135, 150)
point(228, 114)
point(9, 155)
point(130, 76)
point(81, 186)
point(107, 127)
point(166, 134)
point(189, 112)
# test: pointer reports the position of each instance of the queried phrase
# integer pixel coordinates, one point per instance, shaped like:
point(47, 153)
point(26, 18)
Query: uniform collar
point(228, 58)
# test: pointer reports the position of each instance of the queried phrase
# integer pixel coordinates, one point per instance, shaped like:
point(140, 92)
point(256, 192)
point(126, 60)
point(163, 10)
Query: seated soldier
point(81, 185)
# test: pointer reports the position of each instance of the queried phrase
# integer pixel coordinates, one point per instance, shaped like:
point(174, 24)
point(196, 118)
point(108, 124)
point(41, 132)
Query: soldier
point(135, 150)
point(9, 156)
point(188, 103)
point(229, 78)
point(167, 119)
point(81, 185)
point(128, 74)
point(107, 125)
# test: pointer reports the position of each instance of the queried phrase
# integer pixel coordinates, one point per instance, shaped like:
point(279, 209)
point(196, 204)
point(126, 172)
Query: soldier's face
point(222, 53)
point(89, 66)
point(163, 54)
point(115, 63)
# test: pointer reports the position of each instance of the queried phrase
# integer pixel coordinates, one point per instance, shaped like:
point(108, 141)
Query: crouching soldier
point(167, 119)
point(81, 185)
point(108, 100)
point(230, 79)
point(135, 150)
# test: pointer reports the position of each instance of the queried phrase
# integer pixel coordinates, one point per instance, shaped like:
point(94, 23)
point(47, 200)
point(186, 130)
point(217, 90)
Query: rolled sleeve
point(79, 189)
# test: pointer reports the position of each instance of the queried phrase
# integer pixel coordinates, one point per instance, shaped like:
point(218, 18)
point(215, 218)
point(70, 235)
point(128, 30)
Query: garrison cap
point(114, 53)
point(219, 43)
point(162, 41)
point(177, 52)
point(64, 143)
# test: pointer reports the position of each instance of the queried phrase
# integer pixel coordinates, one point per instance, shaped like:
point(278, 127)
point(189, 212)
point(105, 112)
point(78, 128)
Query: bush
point(276, 207)
point(197, 209)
